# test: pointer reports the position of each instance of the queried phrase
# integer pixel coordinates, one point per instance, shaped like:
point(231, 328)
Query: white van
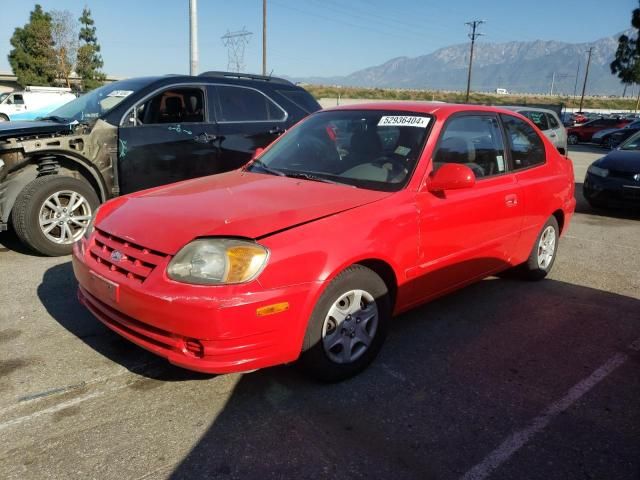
point(502, 91)
point(32, 99)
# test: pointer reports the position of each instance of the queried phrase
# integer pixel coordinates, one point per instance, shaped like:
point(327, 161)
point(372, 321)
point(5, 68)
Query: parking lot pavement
point(504, 379)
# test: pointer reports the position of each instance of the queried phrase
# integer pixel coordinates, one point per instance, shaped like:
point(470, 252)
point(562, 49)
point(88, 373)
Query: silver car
point(548, 122)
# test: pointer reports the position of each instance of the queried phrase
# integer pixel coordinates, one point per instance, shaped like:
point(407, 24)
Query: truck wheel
point(348, 325)
point(52, 212)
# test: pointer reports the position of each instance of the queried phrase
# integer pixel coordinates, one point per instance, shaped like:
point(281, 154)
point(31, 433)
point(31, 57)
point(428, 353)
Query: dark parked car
point(614, 180)
point(132, 135)
point(611, 138)
point(583, 133)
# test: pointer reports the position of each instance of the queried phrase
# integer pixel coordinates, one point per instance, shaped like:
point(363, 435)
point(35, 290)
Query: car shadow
point(451, 382)
point(582, 206)
point(9, 241)
point(57, 292)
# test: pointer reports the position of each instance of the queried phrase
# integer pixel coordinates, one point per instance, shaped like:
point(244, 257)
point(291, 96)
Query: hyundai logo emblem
point(116, 256)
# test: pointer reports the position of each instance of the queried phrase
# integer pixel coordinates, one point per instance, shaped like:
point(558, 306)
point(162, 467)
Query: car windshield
point(98, 102)
point(370, 149)
point(633, 143)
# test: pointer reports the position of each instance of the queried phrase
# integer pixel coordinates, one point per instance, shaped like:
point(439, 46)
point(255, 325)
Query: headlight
point(598, 172)
point(216, 261)
point(90, 226)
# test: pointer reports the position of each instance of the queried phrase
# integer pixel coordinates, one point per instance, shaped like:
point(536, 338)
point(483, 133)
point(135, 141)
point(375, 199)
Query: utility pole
point(575, 87)
point(193, 37)
point(586, 76)
point(474, 24)
point(264, 37)
point(236, 43)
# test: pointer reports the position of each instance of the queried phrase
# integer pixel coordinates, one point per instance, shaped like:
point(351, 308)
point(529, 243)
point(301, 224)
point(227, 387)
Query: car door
point(247, 119)
point(167, 137)
point(468, 233)
point(536, 180)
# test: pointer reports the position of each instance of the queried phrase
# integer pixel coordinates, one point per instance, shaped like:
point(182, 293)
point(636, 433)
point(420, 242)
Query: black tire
point(610, 143)
point(3, 118)
point(26, 210)
point(315, 359)
point(531, 269)
point(573, 139)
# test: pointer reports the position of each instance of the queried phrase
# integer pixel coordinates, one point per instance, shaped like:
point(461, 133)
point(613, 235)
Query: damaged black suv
point(131, 135)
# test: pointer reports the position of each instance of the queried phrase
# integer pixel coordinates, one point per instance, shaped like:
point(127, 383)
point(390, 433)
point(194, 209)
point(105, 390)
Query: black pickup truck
point(131, 135)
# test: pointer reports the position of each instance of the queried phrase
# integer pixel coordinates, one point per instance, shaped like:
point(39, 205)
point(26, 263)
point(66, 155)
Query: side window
point(527, 149)
point(236, 104)
point(539, 119)
point(301, 98)
point(553, 123)
point(18, 100)
point(177, 105)
point(473, 140)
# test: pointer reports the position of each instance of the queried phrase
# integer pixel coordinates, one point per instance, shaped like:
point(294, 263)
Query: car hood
point(237, 203)
point(621, 160)
point(17, 129)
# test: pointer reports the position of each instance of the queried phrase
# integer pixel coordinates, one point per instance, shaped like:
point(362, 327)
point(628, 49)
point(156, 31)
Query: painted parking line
point(517, 440)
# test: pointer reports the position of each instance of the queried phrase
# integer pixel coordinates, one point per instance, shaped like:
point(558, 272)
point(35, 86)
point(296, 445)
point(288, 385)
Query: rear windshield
point(370, 149)
point(302, 99)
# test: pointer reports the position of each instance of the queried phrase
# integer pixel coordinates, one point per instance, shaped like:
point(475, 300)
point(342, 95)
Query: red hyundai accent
point(351, 217)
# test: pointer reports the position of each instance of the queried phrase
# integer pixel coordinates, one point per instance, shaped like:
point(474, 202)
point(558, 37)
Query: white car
point(31, 99)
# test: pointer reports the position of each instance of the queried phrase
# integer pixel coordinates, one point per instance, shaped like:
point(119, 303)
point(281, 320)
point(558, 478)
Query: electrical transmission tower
point(473, 34)
point(236, 43)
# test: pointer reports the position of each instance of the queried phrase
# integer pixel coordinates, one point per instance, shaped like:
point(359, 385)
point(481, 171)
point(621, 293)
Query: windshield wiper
point(310, 176)
point(55, 118)
point(267, 169)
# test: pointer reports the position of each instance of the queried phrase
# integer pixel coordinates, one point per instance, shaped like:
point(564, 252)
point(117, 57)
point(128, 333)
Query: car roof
point(432, 108)
point(255, 81)
point(520, 108)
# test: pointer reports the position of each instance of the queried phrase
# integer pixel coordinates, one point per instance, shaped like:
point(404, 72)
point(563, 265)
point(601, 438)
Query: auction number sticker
point(403, 121)
point(120, 93)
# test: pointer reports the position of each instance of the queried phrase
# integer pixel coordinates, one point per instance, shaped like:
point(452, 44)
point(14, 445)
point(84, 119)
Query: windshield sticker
point(179, 129)
point(120, 93)
point(500, 160)
point(403, 121)
point(404, 151)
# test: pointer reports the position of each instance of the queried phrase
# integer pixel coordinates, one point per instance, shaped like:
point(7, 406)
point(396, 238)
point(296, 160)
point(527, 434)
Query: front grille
point(133, 261)
point(623, 175)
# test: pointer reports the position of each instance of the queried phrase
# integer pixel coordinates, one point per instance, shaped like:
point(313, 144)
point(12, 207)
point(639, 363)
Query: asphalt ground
point(504, 380)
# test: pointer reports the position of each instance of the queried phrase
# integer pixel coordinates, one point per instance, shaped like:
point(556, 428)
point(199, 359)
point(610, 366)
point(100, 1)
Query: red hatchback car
point(354, 215)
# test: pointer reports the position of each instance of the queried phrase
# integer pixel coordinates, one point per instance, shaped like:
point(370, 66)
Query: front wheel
point(348, 325)
point(573, 139)
point(52, 212)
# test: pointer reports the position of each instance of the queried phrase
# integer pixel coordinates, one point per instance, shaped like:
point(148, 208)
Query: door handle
point(207, 138)
point(276, 131)
point(511, 200)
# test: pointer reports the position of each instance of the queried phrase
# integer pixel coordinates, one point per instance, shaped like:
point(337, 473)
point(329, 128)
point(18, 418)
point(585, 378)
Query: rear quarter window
point(301, 98)
point(525, 145)
point(539, 119)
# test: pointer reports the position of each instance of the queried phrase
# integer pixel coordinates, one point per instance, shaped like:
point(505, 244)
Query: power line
point(474, 24)
point(236, 43)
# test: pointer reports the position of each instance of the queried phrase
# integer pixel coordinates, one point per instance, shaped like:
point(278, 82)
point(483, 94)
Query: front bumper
point(611, 191)
point(206, 329)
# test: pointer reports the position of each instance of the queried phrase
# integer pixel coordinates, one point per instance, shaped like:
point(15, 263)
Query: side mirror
point(451, 176)
point(257, 152)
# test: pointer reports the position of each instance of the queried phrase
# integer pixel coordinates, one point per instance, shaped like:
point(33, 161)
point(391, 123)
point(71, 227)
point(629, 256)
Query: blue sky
point(316, 37)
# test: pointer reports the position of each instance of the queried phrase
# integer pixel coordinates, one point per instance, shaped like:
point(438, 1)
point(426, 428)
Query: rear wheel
point(52, 212)
point(348, 325)
point(573, 139)
point(543, 254)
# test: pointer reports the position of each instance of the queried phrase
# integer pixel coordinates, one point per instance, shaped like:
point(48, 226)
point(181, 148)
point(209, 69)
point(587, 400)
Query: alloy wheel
point(546, 247)
point(64, 217)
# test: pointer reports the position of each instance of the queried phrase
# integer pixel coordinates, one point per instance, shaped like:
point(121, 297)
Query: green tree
point(626, 64)
point(32, 58)
point(89, 61)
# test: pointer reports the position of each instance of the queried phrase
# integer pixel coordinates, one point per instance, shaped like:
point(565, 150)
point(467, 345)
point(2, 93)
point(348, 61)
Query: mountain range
point(519, 67)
